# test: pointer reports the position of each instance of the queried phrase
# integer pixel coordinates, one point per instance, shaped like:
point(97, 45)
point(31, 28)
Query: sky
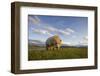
point(72, 30)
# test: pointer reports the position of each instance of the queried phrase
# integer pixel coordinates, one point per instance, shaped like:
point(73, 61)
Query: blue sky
point(72, 30)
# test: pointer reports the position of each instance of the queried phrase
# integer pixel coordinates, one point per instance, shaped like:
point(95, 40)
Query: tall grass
point(65, 53)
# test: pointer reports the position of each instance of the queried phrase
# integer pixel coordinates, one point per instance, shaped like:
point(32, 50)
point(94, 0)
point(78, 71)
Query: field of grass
point(40, 53)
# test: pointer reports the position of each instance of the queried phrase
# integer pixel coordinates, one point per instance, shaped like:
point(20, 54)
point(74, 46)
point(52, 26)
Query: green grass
point(37, 53)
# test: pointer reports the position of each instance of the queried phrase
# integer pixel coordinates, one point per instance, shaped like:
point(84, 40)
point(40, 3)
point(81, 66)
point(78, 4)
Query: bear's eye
point(60, 40)
point(56, 43)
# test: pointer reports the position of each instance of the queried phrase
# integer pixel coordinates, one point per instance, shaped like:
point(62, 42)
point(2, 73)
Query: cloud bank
point(46, 29)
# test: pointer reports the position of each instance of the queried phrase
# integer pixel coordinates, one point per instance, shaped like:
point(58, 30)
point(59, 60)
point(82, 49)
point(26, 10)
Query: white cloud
point(74, 36)
point(67, 43)
point(84, 41)
point(63, 32)
point(40, 31)
point(37, 18)
point(85, 38)
point(50, 29)
point(69, 30)
point(66, 31)
point(34, 20)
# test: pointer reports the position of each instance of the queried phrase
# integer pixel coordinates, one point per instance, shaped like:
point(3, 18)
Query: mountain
point(41, 43)
point(36, 42)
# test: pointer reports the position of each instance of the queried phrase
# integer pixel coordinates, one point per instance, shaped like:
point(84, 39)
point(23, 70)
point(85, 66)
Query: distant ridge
point(41, 43)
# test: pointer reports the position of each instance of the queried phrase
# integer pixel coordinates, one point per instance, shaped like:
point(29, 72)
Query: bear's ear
point(56, 36)
point(61, 41)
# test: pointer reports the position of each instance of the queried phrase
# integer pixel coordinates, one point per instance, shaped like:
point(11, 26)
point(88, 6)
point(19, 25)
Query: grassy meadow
point(40, 53)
